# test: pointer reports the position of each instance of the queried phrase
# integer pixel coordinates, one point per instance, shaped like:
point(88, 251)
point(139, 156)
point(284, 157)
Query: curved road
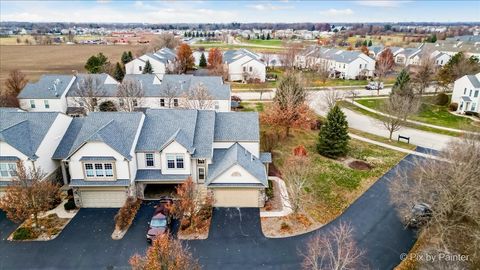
point(235, 240)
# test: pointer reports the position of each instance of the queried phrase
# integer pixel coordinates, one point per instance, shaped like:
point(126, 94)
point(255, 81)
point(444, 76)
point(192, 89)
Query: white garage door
point(236, 197)
point(103, 198)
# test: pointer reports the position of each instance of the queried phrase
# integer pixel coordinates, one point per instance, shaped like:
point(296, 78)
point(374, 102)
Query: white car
point(374, 86)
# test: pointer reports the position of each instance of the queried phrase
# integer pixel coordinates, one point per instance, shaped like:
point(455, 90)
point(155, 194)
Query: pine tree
point(125, 58)
point(263, 37)
point(148, 68)
point(370, 43)
point(203, 61)
point(118, 73)
point(365, 43)
point(402, 84)
point(268, 36)
point(130, 56)
point(333, 137)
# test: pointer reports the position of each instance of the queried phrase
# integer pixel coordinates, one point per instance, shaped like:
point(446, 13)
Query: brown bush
point(300, 151)
point(127, 213)
point(453, 106)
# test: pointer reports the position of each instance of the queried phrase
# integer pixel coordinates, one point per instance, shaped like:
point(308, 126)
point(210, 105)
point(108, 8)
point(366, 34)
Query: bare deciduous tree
point(87, 93)
point(396, 109)
point(322, 72)
point(330, 98)
point(333, 250)
point(168, 92)
point(424, 73)
point(29, 194)
point(198, 98)
point(289, 55)
point(15, 82)
point(163, 40)
point(130, 95)
point(450, 187)
point(296, 172)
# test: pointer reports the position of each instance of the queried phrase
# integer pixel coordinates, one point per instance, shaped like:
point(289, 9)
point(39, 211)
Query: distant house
point(161, 62)
point(341, 64)
point(170, 92)
point(244, 65)
point(466, 93)
point(110, 156)
point(30, 137)
point(48, 94)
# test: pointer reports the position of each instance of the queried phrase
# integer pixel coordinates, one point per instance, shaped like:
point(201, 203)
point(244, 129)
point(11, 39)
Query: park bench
point(400, 137)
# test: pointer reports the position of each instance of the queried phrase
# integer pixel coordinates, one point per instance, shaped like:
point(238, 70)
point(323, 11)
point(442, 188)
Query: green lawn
point(336, 186)
point(348, 105)
point(270, 42)
point(251, 106)
point(429, 113)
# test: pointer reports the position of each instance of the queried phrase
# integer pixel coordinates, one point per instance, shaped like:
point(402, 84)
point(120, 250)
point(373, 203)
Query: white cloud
point(262, 7)
point(336, 12)
point(382, 3)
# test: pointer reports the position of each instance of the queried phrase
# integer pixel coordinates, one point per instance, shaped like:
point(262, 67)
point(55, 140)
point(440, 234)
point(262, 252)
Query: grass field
point(336, 186)
point(225, 46)
point(36, 60)
point(429, 113)
point(261, 42)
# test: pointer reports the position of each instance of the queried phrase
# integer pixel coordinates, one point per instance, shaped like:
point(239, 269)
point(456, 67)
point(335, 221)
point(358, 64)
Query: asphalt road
point(235, 240)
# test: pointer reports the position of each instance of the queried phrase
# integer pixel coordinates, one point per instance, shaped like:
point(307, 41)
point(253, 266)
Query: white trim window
point(162, 102)
point(201, 174)
point(175, 161)
point(32, 104)
point(46, 104)
point(98, 170)
point(8, 170)
point(149, 160)
point(175, 102)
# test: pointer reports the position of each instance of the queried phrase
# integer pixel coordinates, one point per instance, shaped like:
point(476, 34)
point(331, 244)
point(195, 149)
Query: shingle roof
point(474, 80)
point(47, 87)
point(25, 130)
point(223, 159)
point(104, 89)
point(183, 83)
point(147, 82)
point(156, 175)
point(116, 129)
point(237, 126)
point(231, 56)
point(89, 183)
point(266, 157)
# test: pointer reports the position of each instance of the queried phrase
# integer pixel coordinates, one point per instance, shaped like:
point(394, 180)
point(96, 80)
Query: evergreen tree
point(130, 56)
point(125, 58)
point(263, 37)
point(118, 73)
point(402, 84)
point(268, 36)
point(370, 43)
point(333, 137)
point(203, 61)
point(148, 68)
point(365, 43)
point(96, 63)
point(248, 37)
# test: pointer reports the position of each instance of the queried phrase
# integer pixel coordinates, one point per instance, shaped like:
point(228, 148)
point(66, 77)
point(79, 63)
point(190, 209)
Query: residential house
point(341, 64)
point(110, 156)
point(170, 92)
point(29, 137)
point(244, 65)
point(161, 62)
point(466, 93)
point(48, 94)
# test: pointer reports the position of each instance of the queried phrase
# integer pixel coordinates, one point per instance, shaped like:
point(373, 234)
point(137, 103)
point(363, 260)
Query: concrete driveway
point(235, 240)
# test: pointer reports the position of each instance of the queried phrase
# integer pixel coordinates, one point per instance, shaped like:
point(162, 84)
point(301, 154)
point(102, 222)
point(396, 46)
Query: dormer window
point(175, 161)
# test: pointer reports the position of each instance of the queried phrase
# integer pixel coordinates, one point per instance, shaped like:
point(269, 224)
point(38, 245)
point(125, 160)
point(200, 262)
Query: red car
point(158, 225)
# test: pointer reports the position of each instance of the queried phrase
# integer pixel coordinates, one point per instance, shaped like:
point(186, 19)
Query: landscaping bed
point(335, 185)
point(199, 231)
point(48, 228)
point(124, 217)
point(274, 201)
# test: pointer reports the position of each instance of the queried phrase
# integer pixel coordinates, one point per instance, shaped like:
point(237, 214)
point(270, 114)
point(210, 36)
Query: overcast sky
point(239, 11)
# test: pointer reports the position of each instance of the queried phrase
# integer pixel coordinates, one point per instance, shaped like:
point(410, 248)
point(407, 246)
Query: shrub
point(70, 205)
point(442, 99)
point(127, 213)
point(269, 140)
point(453, 107)
point(236, 98)
point(300, 151)
point(23, 233)
point(269, 190)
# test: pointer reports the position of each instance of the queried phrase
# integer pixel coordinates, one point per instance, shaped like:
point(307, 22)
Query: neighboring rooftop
point(105, 85)
point(116, 129)
point(25, 130)
point(474, 79)
point(47, 87)
point(223, 159)
point(237, 126)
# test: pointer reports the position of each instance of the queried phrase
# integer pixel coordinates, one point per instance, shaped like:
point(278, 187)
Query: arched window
point(236, 174)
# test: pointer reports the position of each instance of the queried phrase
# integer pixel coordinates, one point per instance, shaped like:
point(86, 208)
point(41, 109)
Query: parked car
point(374, 86)
point(420, 214)
point(161, 220)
